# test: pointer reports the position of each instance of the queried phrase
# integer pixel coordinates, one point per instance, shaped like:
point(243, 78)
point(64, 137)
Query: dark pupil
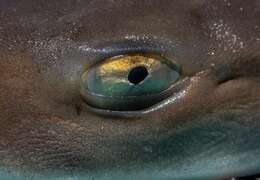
point(137, 74)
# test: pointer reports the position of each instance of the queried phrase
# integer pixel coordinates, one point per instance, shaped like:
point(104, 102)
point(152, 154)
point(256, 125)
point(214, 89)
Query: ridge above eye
point(129, 82)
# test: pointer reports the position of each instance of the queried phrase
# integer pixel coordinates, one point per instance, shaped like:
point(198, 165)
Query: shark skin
point(209, 128)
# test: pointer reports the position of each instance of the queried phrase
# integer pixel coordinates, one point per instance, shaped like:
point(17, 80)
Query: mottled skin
point(208, 129)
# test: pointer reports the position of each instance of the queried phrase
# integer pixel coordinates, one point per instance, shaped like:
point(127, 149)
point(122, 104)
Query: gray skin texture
point(208, 129)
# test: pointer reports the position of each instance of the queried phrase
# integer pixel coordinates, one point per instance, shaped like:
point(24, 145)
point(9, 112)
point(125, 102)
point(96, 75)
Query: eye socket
point(129, 82)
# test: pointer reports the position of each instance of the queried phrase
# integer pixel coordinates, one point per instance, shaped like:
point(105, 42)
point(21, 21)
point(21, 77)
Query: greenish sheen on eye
point(129, 82)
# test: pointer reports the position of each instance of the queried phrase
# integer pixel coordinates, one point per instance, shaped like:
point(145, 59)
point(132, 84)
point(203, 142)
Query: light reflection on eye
point(129, 82)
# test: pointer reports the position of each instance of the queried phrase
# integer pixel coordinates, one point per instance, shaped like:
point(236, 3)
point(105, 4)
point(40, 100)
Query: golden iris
point(128, 82)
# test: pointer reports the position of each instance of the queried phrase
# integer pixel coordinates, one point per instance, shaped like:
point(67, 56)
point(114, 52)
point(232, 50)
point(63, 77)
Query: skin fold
point(209, 128)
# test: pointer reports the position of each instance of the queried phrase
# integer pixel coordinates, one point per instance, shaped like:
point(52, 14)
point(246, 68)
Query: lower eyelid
point(177, 92)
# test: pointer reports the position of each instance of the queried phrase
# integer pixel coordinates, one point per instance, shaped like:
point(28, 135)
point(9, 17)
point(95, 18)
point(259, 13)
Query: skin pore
point(207, 129)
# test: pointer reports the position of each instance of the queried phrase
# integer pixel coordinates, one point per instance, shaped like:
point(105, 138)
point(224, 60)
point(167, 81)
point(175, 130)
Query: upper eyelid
point(110, 49)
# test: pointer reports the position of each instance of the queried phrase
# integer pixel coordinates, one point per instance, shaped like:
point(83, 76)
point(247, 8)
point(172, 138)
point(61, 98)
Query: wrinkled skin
point(208, 129)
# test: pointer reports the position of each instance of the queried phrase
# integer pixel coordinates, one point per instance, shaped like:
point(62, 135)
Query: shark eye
point(129, 82)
